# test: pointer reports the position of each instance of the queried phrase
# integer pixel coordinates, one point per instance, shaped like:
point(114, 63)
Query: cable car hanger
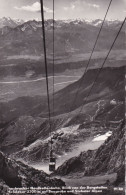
point(52, 159)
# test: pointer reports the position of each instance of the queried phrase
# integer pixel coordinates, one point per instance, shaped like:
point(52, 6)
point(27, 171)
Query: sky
point(64, 9)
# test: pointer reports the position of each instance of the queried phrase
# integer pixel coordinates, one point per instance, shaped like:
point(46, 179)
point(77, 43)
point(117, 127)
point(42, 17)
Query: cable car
point(52, 162)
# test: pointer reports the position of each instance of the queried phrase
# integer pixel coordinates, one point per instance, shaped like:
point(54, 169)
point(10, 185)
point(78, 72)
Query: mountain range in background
point(7, 21)
point(72, 37)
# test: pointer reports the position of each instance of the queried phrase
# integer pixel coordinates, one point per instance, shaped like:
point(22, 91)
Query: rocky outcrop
point(109, 158)
point(24, 131)
point(75, 164)
point(16, 174)
point(3, 188)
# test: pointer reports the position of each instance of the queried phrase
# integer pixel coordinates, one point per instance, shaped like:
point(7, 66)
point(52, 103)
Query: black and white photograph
point(62, 97)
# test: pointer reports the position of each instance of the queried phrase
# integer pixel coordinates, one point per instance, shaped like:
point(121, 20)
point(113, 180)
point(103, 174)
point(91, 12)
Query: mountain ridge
point(7, 21)
point(11, 21)
point(100, 161)
point(73, 37)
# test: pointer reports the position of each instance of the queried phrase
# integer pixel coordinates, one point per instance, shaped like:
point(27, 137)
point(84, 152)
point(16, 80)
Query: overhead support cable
point(53, 56)
point(45, 60)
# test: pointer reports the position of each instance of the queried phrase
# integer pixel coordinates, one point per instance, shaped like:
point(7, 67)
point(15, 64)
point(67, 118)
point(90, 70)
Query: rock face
point(16, 174)
point(110, 84)
point(109, 158)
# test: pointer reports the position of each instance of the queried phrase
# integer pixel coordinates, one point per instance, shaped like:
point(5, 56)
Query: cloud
point(46, 9)
point(72, 7)
point(35, 7)
point(94, 6)
point(66, 8)
point(84, 4)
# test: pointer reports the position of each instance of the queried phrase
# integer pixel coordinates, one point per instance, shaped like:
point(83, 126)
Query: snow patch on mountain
point(102, 137)
point(7, 21)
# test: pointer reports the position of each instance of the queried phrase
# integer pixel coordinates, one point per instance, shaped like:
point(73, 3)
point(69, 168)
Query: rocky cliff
point(16, 174)
point(109, 158)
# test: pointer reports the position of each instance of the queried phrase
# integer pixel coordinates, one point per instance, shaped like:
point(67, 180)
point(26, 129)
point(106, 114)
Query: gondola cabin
point(52, 162)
